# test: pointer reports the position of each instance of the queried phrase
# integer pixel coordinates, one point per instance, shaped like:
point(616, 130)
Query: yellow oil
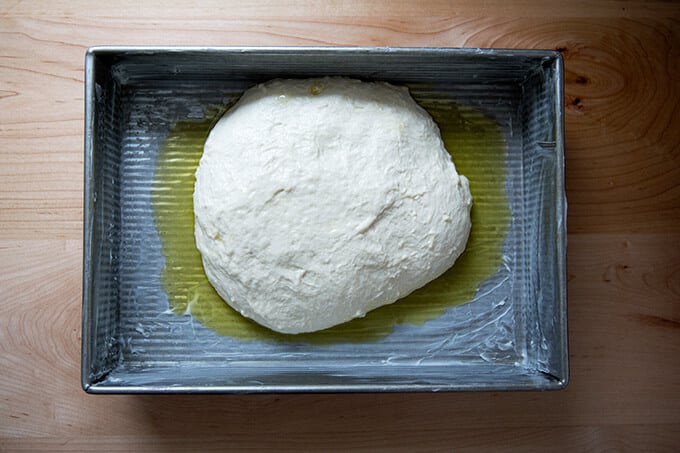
point(479, 151)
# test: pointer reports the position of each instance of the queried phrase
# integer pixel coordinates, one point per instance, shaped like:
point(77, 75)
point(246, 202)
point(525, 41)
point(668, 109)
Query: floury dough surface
point(319, 200)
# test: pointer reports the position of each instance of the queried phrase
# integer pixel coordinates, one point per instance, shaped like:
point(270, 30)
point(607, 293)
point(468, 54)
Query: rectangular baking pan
point(511, 336)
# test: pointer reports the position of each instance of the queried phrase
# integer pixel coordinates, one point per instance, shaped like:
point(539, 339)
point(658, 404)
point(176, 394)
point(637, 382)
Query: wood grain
point(622, 97)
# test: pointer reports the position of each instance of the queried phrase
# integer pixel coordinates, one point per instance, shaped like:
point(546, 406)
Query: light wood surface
point(622, 62)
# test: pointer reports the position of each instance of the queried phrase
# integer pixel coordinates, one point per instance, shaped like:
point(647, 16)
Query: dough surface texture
point(319, 200)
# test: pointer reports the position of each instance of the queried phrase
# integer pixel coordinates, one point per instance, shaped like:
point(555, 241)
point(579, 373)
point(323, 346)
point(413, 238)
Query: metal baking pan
point(509, 334)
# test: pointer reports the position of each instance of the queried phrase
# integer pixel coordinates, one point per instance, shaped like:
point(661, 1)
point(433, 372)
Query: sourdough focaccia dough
point(319, 200)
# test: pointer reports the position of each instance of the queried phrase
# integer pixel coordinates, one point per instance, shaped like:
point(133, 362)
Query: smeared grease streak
point(479, 151)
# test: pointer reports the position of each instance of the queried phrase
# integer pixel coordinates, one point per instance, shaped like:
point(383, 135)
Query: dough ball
point(319, 200)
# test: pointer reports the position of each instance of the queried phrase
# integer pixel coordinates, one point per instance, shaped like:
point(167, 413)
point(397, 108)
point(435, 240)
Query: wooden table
point(622, 62)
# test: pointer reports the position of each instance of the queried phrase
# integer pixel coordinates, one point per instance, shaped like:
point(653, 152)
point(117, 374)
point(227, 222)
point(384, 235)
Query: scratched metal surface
point(512, 335)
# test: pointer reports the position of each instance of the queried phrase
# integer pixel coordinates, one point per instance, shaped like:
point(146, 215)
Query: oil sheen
point(479, 152)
